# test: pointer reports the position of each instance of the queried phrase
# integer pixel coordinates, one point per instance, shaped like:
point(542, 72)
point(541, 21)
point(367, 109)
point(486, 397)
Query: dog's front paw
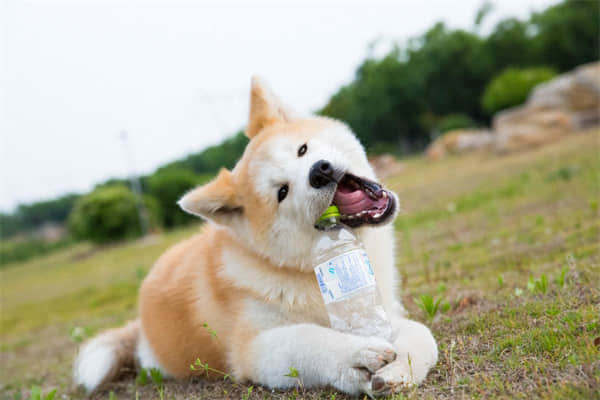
point(393, 377)
point(357, 372)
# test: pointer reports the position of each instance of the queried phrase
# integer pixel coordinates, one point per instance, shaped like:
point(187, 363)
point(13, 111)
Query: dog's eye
point(302, 150)
point(283, 191)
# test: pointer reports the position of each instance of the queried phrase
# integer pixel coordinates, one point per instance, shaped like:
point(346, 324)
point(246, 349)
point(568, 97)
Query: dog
point(242, 297)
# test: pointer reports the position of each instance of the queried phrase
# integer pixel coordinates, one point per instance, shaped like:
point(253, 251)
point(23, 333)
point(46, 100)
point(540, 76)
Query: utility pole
point(136, 185)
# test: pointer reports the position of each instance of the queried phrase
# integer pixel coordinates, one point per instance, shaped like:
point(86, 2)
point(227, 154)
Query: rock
point(566, 104)
point(459, 141)
point(385, 165)
point(522, 128)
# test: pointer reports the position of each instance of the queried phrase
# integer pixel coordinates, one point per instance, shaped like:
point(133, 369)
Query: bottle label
point(345, 274)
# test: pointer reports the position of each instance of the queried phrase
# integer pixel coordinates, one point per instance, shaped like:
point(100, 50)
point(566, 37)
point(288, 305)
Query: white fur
point(94, 361)
point(291, 337)
point(145, 355)
point(276, 163)
point(417, 354)
point(321, 356)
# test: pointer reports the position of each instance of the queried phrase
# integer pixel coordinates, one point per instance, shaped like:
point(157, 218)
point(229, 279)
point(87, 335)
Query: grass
point(499, 255)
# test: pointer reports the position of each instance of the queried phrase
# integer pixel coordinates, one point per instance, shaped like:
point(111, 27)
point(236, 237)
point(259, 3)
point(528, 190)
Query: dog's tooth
point(377, 215)
point(385, 195)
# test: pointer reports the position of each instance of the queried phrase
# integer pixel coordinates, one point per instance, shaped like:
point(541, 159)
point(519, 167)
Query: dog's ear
point(265, 108)
point(215, 201)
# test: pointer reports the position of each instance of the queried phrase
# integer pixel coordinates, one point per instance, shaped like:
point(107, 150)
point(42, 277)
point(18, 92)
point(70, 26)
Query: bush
point(455, 121)
point(21, 250)
point(512, 87)
point(167, 186)
point(110, 213)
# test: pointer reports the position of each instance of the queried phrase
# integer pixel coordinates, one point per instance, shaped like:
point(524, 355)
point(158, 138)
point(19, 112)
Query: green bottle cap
point(331, 212)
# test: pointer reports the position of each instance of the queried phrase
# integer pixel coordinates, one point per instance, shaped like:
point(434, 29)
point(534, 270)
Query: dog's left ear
point(265, 108)
point(215, 201)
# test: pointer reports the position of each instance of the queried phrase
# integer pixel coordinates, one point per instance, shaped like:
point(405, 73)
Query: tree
point(567, 34)
point(512, 87)
point(110, 213)
point(167, 187)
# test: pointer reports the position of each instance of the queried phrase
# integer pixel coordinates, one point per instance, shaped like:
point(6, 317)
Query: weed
point(561, 278)
point(158, 380)
point(36, 394)
point(429, 305)
point(198, 365)
point(246, 395)
point(293, 373)
point(539, 285)
point(142, 377)
point(210, 330)
point(79, 333)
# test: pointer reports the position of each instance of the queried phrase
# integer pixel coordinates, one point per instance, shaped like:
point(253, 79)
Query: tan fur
point(216, 295)
point(186, 289)
point(265, 109)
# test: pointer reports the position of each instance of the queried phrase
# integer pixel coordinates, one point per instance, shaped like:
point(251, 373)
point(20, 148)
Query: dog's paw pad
point(377, 384)
point(374, 359)
point(391, 378)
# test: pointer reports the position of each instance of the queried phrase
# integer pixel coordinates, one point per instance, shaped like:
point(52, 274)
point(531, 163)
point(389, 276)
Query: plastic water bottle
point(347, 281)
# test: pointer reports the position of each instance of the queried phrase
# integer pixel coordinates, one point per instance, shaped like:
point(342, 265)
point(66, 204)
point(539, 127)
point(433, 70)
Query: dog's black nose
point(321, 173)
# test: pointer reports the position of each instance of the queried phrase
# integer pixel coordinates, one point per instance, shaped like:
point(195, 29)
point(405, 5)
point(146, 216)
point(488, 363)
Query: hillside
point(510, 244)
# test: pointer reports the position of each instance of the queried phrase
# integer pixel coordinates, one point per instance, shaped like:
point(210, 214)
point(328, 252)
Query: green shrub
point(17, 250)
point(455, 121)
point(110, 213)
point(512, 87)
point(167, 186)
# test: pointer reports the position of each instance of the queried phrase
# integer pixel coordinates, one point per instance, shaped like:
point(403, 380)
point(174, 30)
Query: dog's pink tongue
point(352, 202)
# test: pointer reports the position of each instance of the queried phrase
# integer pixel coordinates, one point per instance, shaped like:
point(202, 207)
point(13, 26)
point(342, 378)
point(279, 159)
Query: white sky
point(174, 75)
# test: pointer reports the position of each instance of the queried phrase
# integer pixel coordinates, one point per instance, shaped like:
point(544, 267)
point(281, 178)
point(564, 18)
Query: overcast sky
point(174, 75)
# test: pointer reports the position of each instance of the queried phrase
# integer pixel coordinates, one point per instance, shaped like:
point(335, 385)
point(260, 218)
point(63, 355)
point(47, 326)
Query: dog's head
point(291, 171)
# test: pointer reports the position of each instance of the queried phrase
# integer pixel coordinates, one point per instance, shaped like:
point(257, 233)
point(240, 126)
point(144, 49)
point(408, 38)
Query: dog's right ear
point(215, 201)
point(265, 108)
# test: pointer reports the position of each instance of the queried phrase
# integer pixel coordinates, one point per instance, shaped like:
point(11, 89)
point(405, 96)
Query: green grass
point(499, 255)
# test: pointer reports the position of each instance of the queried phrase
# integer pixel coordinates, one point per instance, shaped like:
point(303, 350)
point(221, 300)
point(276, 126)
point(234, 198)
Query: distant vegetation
point(444, 79)
point(111, 213)
point(512, 87)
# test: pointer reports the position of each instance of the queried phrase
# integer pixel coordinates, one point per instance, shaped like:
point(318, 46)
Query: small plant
point(429, 305)
point(79, 333)
point(539, 285)
point(158, 380)
point(518, 292)
point(210, 330)
point(295, 374)
point(500, 281)
point(561, 278)
point(246, 395)
point(111, 396)
point(36, 394)
point(142, 378)
point(198, 365)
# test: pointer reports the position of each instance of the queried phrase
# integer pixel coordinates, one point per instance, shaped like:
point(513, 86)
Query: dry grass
point(478, 232)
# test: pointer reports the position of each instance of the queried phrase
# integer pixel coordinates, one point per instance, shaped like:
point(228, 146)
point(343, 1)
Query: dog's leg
point(321, 356)
point(417, 352)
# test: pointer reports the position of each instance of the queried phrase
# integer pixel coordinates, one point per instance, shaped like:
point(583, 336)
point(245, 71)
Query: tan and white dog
point(248, 275)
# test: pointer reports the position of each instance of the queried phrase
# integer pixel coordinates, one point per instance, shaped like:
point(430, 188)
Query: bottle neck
point(328, 224)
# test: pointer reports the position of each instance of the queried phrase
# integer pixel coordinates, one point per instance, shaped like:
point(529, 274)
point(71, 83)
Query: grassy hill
point(509, 245)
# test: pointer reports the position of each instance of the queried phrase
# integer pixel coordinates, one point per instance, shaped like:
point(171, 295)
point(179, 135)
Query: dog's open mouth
point(361, 201)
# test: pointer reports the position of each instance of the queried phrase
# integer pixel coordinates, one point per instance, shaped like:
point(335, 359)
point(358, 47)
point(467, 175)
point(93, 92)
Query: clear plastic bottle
point(347, 281)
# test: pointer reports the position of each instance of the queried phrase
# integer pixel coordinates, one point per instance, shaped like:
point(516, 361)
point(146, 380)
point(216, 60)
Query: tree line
point(443, 79)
